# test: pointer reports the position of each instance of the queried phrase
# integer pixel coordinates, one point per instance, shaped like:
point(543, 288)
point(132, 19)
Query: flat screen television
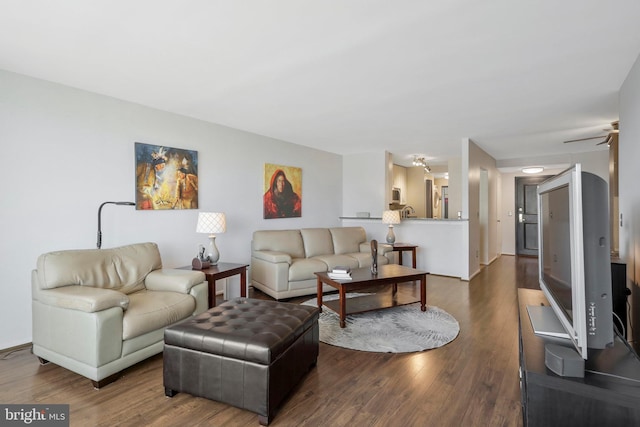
point(574, 256)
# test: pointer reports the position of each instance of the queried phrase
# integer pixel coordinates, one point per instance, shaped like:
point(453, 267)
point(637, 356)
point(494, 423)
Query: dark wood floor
point(472, 381)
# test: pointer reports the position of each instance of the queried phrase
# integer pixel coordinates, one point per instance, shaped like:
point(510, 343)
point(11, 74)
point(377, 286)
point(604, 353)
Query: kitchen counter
point(441, 243)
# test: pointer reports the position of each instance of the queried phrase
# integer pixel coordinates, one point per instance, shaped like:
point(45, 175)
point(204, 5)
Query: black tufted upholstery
point(250, 329)
point(245, 352)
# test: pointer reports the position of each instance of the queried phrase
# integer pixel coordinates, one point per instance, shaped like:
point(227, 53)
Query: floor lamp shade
point(212, 223)
point(391, 217)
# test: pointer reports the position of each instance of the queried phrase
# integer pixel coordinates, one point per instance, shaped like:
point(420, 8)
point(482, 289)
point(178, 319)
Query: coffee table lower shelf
point(372, 302)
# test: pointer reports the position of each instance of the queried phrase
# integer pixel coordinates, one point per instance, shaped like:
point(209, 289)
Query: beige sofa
point(98, 311)
point(283, 262)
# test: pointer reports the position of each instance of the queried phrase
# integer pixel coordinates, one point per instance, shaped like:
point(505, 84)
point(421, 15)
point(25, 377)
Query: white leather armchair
point(99, 311)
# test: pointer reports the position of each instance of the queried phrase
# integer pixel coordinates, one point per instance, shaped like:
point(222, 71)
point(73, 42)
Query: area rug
point(402, 329)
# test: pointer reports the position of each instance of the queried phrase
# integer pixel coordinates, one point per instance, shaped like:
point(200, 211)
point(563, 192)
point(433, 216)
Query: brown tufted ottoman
point(245, 352)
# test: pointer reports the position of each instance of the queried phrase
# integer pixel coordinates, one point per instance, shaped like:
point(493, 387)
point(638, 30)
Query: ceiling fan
point(608, 138)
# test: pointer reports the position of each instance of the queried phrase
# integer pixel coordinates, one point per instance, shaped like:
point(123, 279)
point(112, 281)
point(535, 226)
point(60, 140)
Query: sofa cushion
point(122, 269)
point(303, 268)
point(151, 310)
point(288, 241)
point(317, 241)
point(338, 260)
point(271, 256)
point(347, 239)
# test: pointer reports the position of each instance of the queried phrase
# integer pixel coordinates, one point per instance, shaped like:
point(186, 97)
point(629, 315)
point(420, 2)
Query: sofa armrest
point(383, 248)
point(272, 256)
point(83, 298)
point(173, 280)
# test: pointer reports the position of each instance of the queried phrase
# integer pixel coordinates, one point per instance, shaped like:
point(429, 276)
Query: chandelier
point(420, 161)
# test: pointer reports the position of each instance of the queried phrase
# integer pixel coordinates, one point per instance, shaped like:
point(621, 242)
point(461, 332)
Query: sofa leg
point(169, 392)
point(42, 361)
point(105, 381)
point(264, 421)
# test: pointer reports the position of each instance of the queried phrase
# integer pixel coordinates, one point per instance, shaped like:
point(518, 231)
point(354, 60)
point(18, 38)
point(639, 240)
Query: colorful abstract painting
point(166, 177)
point(282, 191)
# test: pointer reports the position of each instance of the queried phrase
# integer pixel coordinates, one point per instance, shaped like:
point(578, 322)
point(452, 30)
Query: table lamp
point(212, 222)
point(391, 217)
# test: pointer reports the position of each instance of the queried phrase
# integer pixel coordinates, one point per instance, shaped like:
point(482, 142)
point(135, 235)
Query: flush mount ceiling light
point(533, 169)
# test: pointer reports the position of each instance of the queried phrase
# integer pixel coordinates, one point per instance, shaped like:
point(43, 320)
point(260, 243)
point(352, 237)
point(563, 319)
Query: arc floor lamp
point(100, 217)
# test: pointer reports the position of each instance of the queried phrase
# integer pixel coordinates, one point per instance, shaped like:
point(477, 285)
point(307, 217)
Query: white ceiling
point(347, 76)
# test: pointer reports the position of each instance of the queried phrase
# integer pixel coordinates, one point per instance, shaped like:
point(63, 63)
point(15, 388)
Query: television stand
point(607, 395)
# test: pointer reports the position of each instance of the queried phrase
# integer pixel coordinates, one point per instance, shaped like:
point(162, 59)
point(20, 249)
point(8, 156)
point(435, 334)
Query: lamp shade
point(391, 217)
point(211, 222)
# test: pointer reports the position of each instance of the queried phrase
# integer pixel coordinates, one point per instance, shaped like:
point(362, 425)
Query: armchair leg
point(42, 361)
point(263, 421)
point(169, 392)
point(105, 381)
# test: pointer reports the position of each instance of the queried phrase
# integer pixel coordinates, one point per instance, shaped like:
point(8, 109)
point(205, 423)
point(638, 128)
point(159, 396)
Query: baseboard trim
point(474, 275)
point(6, 351)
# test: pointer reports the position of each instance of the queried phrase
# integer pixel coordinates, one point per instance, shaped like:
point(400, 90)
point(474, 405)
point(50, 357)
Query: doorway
point(527, 214)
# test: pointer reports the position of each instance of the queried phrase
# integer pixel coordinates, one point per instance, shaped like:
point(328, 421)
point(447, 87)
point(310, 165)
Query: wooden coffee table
point(389, 274)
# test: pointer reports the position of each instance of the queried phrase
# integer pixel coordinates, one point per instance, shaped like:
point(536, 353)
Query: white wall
point(365, 183)
point(417, 191)
point(629, 176)
point(65, 151)
point(440, 242)
point(480, 162)
point(596, 162)
point(456, 179)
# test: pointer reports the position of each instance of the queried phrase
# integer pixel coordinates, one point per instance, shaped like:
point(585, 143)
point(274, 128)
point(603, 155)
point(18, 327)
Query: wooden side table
point(220, 271)
point(402, 247)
